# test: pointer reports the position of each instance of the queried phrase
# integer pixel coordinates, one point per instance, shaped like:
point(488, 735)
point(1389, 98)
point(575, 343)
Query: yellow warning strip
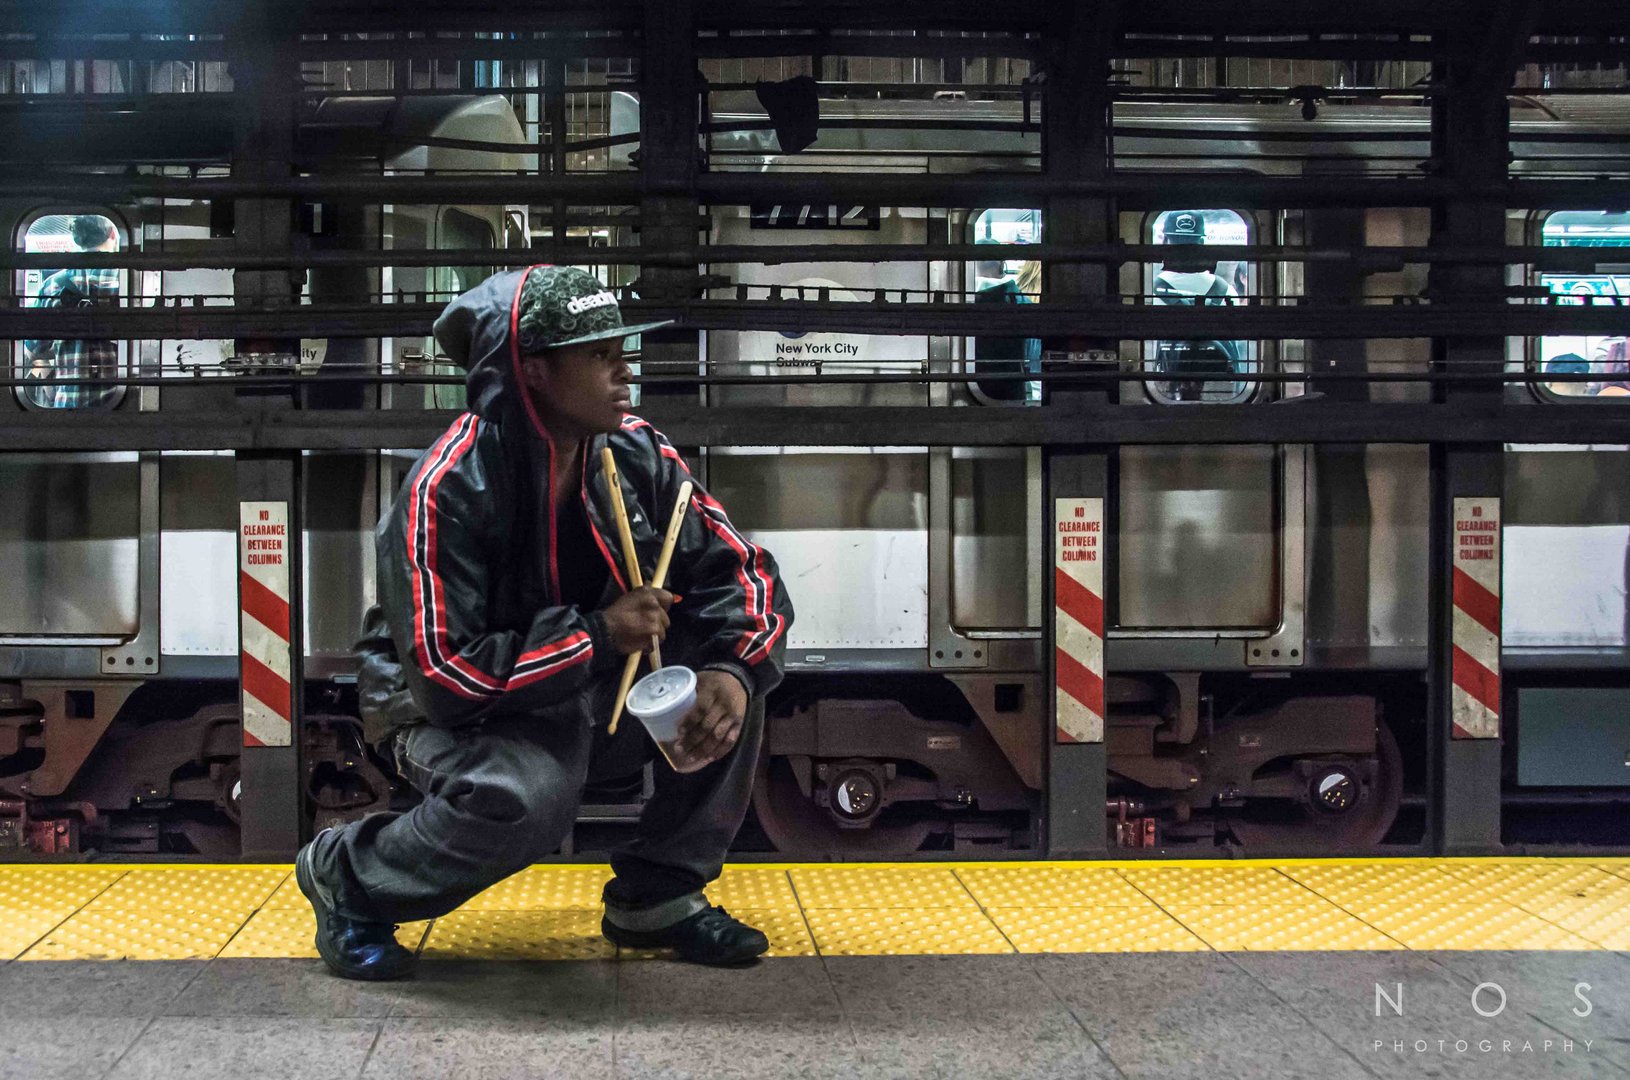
point(87, 911)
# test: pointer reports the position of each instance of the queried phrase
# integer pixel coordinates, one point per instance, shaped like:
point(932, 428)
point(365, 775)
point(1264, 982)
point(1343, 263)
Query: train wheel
point(796, 825)
point(1342, 811)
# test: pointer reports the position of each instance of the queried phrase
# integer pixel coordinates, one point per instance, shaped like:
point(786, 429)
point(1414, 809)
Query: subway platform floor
point(1269, 968)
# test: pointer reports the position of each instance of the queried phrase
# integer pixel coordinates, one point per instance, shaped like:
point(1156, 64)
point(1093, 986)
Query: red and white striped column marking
point(1078, 619)
point(264, 655)
point(1475, 699)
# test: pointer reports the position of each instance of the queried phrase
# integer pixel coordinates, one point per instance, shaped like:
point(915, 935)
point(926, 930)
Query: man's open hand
point(713, 725)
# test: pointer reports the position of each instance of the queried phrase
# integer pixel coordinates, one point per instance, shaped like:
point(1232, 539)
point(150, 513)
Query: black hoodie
point(469, 580)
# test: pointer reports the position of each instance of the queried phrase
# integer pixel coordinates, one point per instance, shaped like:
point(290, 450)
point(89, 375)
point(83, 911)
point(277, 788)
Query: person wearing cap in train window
point(1192, 363)
point(1568, 364)
point(492, 661)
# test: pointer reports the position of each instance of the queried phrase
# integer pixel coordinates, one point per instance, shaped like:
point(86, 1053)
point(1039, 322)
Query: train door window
point(1205, 371)
point(49, 368)
point(1006, 277)
point(1603, 357)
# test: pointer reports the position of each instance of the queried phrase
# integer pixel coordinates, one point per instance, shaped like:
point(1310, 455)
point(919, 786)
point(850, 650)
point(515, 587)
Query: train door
point(986, 502)
point(72, 525)
point(1566, 563)
point(1567, 534)
point(1210, 538)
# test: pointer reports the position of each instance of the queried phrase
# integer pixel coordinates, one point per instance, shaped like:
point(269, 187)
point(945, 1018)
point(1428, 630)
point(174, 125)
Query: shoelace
point(372, 933)
point(712, 917)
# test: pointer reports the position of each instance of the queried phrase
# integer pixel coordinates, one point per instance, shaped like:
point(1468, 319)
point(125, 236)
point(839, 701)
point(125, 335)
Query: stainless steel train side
point(1268, 627)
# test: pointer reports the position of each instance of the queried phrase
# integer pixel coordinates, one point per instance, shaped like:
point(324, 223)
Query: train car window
point(46, 366)
point(1602, 356)
point(1006, 278)
point(1200, 371)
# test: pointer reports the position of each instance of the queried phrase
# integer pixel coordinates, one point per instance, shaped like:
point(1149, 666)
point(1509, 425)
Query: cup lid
point(661, 689)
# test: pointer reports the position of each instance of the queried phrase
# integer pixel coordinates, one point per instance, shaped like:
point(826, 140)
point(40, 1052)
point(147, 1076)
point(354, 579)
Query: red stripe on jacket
point(436, 655)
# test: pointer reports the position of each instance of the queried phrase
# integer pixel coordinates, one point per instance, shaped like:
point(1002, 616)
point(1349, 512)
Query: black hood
point(477, 331)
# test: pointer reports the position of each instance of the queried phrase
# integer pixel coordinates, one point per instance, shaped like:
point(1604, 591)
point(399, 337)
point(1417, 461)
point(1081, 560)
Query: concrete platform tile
point(65, 989)
point(790, 987)
point(784, 1048)
point(261, 987)
point(505, 1049)
point(1191, 1015)
point(49, 1049)
point(938, 985)
point(1005, 1044)
point(1422, 1020)
point(1553, 988)
point(487, 988)
point(248, 1048)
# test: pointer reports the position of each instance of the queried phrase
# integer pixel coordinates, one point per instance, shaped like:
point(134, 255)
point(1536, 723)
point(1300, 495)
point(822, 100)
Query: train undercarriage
point(866, 766)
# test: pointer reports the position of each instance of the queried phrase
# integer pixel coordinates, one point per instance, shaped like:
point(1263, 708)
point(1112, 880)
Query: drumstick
point(631, 558)
point(674, 524)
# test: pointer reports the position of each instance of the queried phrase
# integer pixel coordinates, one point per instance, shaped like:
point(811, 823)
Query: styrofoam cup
point(661, 700)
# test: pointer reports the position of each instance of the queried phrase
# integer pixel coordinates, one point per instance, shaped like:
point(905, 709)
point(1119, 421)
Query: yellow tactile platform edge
point(552, 912)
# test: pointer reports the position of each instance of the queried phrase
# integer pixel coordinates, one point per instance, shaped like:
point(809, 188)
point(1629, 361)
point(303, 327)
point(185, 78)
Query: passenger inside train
point(1181, 281)
point(504, 621)
point(1006, 355)
point(47, 364)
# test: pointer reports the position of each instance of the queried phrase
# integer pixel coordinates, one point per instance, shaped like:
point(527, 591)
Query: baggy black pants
point(502, 796)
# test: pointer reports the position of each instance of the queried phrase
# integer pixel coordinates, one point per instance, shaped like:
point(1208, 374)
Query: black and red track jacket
point(469, 582)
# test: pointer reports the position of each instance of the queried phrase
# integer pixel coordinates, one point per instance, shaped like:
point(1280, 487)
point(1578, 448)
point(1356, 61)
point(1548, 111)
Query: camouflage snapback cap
point(562, 305)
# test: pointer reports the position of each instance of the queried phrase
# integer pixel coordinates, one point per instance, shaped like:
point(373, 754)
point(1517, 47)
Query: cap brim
point(614, 332)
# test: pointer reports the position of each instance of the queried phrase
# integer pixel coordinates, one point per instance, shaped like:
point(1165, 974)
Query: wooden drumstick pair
point(631, 561)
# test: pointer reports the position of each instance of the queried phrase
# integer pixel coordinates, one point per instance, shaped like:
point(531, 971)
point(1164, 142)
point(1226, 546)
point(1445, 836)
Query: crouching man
point(492, 662)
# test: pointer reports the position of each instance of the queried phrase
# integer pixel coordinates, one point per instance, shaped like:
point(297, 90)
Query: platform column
point(669, 213)
point(1470, 133)
point(271, 643)
point(1076, 557)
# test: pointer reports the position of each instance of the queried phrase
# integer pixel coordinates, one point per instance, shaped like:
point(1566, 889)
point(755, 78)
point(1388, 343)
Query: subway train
point(1267, 634)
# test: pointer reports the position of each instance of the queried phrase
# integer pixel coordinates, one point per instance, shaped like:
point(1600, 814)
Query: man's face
point(582, 388)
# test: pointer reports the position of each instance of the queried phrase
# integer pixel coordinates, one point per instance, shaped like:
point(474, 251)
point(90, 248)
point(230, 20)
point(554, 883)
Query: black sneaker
point(353, 949)
point(711, 936)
